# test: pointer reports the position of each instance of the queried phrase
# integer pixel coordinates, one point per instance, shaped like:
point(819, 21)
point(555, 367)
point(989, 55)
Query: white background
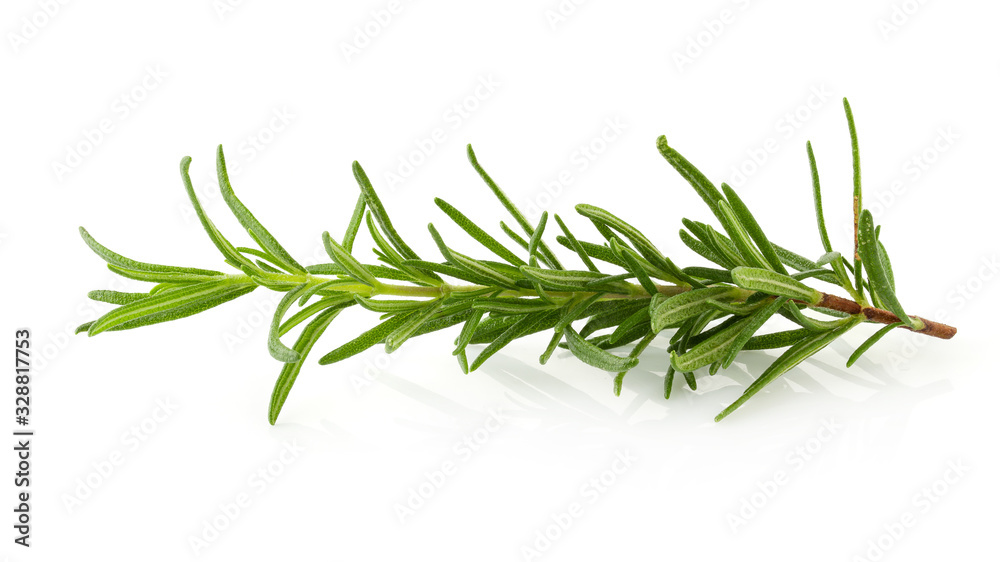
point(924, 88)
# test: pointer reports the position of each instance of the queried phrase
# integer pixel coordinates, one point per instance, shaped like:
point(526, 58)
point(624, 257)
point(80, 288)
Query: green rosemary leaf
point(468, 330)
point(595, 251)
point(163, 287)
point(122, 262)
point(524, 244)
point(574, 245)
point(250, 222)
point(684, 329)
point(267, 267)
point(355, 223)
point(344, 259)
point(604, 341)
point(278, 350)
point(703, 250)
point(511, 208)
point(327, 287)
point(739, 309)
point(678, 308)
point(712, 349)
point(788, 360)
point(161, 277)
point(723, 248)
point(611, 317)
point(463, 362)
point(738, 234)
point(449, 270)
point(478, 234)
point(225, 247)
point(829, 257)
point(824, 236)
point(391, 306)
point(638, 239)
point(668, 382)
point(554, 342)
point(478, 268)
point(116, 297)
point(83, 327)
point(793, 313)
point(520, 327)
point(796, 261)
point(575, 311)
point(660, 266)
point(472, 294)
point(752, 227)
point(570, 280)
point(612, 279)
point(698, 332)
point(595, 356)
point(338, 301)
point(635, 353)
point(754, 323)
point(634, 267)
point(444, 319)
point(536, 238)
point(375, 205)
point(170, 305)
point(856, 166)
point(504, 305)
point(290, 371)
point(407, 329)
point(710, 274)
point(701, 184)
point(872, 340)
point(388, 252)
point(773, 283)
point(877, 275)
point(365, 340)
point(491, 327)
point(640, 316)
point(777, 340)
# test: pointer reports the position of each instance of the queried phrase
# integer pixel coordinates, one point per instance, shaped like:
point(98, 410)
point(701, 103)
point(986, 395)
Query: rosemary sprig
point(714, 312)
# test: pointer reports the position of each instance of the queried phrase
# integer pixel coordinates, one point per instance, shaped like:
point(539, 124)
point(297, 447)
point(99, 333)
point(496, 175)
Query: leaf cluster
point(606, 310)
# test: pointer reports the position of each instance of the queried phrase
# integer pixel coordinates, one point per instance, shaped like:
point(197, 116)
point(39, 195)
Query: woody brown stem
point(931, 328)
